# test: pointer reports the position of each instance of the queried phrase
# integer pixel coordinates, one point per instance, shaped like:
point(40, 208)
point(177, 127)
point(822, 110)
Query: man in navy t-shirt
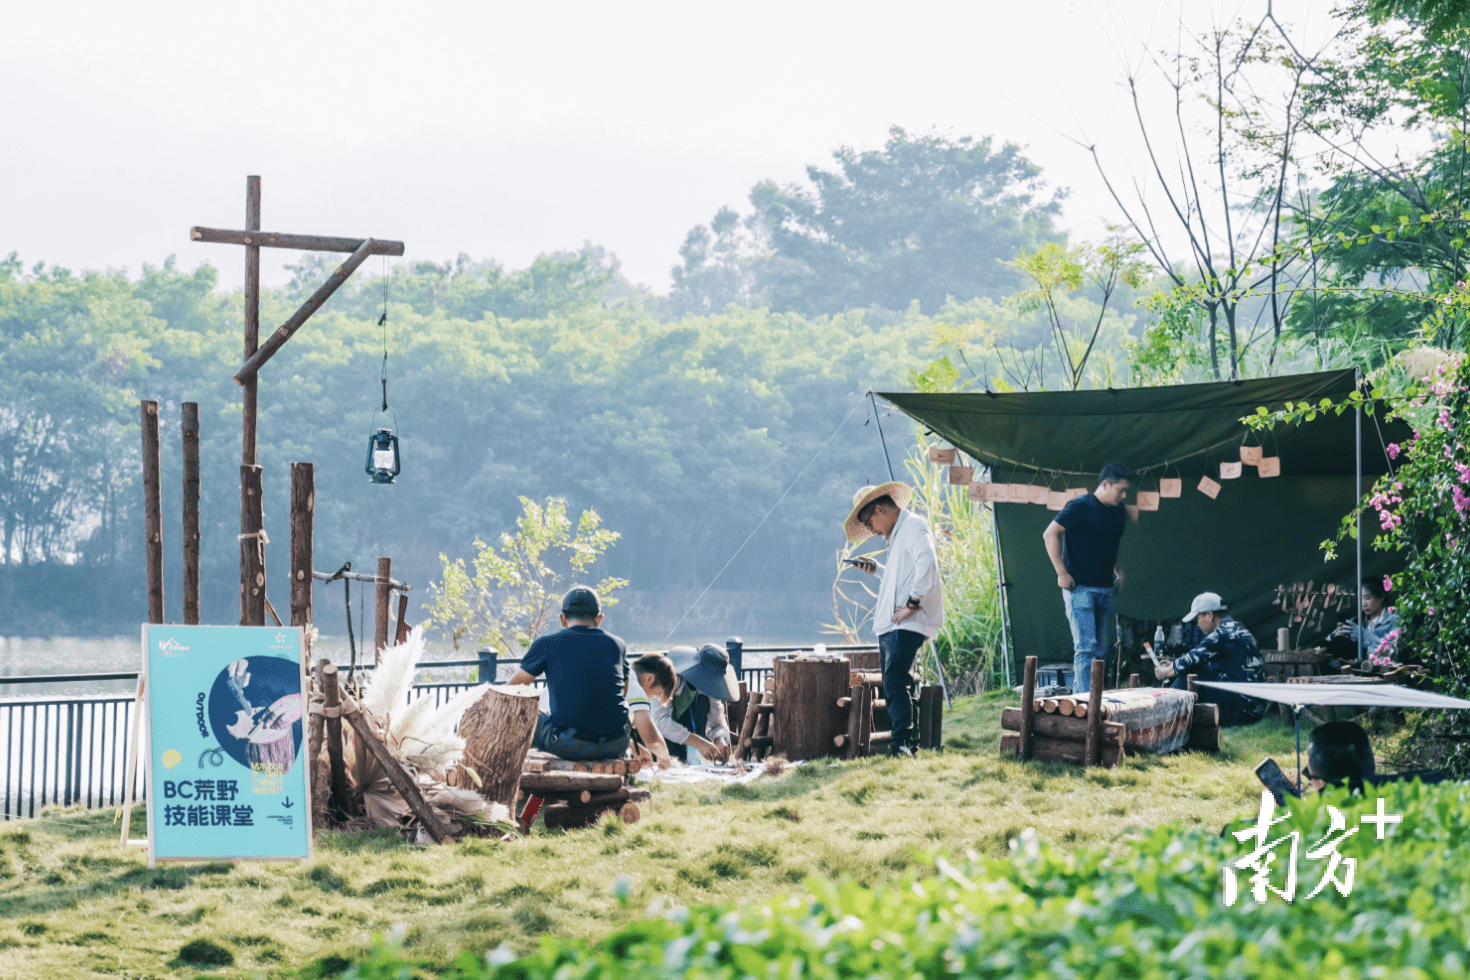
point(584, 670)
point(1082, 543)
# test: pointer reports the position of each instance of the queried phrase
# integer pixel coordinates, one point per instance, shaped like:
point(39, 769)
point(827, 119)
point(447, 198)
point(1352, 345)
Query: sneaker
point(900, 752)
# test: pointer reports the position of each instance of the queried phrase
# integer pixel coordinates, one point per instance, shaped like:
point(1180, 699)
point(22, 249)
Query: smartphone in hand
point(1271, 776)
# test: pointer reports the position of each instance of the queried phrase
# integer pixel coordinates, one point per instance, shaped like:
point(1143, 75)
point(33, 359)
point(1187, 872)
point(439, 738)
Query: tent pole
point(878, 422)
point(1358, 446)
point(1296, 721)
point(1000, 587)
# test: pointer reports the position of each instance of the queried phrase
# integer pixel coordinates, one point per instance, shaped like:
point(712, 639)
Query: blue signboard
point(227, 777)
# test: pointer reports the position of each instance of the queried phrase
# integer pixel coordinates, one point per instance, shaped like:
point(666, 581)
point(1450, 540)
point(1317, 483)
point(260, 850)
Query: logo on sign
point(172, 648)
point(282, 640)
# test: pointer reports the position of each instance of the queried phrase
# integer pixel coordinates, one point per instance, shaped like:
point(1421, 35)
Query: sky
point(507, 130)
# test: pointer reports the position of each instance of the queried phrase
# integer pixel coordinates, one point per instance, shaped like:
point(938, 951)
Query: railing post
point(70, 740)
point(489, 665)
point(735, 650)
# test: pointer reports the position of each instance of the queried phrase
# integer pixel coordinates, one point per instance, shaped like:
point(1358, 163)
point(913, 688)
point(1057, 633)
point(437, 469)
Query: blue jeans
point(1090, 613)
point(564, 744)
point(897, 649)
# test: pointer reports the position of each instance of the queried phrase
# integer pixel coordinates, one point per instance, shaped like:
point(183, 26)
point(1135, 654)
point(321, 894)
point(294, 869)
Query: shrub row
point(1153, 910)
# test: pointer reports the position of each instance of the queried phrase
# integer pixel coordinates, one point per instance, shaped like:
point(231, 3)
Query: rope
point(764, 519)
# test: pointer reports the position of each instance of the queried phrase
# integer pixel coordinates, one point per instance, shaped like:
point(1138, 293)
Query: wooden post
point(806, 716)
point(856, 704)
point(1094, 712)
point(402, 782)
point(252, 549)
point(191, 512)
point(497, 731)
point(400, 632)
point(747, 727)
point(316, 734)
point(303, 508)
point(385, 599)
point(1028, 707)
point(252, 571)
point(341, 804)
point(152, 510)
point(1133, 680)
point(931, 717)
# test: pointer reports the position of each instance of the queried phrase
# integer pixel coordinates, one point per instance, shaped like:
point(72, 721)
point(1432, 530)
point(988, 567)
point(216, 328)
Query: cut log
point(619, 796)
point(1058, 726)
point(1206, 713)
point(497, 731)
point(806, 716)
point(854, 720)
point(1066, 706)
point(931, 717)
point(1094, 714)
point(1080, 709)
point(1133, 680)
point(562, 816)
point(878, 737)
point(840, 740)
point(747, 726)
point(760, 742)
point(864, 677)
point(340, 798)
point(1051, 705)
point(1061, 750)
point(541, 783)
point(1028, 714)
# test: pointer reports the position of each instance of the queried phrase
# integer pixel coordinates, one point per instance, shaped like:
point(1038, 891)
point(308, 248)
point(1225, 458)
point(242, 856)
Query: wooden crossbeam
point(283, 333)
point(274, 239)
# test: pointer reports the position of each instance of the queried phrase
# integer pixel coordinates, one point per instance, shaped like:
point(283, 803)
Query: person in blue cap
point(688, 690)
point(584, 670)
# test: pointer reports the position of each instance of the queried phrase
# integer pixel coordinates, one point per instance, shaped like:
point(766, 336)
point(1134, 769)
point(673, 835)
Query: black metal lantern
point(382, 457)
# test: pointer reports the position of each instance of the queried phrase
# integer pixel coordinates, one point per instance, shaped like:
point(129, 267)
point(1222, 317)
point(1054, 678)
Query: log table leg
point(1028, 708)
point(1094, 711)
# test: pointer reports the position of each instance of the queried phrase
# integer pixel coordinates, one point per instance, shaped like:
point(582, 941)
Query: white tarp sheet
point(1347, 695)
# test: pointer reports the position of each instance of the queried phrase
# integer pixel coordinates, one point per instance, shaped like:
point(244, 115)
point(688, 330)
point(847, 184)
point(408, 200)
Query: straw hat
point(856, 531)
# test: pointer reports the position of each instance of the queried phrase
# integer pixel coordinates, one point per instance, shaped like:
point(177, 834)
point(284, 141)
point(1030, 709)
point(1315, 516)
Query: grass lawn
point(73, 905)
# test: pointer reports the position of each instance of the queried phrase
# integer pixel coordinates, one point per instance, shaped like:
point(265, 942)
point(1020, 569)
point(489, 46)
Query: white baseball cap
point(1203, 603)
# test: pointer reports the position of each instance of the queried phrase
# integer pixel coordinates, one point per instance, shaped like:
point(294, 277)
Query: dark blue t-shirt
point(1090, 548)
point(584, 673)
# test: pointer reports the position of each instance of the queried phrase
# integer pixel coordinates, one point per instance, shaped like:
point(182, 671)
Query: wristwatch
point(913, 603)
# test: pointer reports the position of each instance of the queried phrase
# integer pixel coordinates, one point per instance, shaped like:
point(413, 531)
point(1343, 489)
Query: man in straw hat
point(910, 606)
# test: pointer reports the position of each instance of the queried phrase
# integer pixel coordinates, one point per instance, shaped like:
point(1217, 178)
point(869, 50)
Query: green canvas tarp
point(1257, 535)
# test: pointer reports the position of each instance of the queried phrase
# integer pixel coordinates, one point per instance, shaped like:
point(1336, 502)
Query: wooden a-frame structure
point(252, 551)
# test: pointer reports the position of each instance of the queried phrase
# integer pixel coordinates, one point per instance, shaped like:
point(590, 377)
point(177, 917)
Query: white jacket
point(912, 570)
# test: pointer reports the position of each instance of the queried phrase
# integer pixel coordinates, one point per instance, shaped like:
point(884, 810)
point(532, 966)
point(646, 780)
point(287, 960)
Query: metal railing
point(72, 749)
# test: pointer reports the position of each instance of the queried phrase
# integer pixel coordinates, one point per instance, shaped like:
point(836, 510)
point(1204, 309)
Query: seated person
point(1365, 633)
point(648, 744)
point(1339, 752)
point(1228, 652)
point(690, 688)
point(584, 675)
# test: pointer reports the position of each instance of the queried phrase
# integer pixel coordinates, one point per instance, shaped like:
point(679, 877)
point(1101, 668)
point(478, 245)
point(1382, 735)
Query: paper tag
point(1056, 499)
point(1148, 500)
point(1037, 494)
point(1209, 487)
point(1171, 487)
point(979, 491)
point(937, 455)
point(1132, 512)
point(961, 475)
point(1230, 471)
point(1250, 455)
point(1270, 466)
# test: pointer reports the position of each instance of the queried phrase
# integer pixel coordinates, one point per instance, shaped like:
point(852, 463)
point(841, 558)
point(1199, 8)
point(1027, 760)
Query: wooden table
point(1294, 666)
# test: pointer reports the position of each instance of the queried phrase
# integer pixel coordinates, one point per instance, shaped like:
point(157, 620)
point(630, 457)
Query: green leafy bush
point(1154, 910)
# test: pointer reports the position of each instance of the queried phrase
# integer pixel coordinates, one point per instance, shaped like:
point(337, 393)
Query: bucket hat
point(708, 669)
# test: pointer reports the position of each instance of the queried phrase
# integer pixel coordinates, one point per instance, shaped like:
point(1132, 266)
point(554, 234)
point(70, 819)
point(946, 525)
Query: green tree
point(923, 219)
point(506, 598)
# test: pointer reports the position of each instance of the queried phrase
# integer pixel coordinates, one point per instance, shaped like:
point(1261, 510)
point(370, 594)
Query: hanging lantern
point(382, 458)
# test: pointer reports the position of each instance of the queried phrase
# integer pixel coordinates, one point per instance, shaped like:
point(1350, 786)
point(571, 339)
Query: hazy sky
point(505, 130)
